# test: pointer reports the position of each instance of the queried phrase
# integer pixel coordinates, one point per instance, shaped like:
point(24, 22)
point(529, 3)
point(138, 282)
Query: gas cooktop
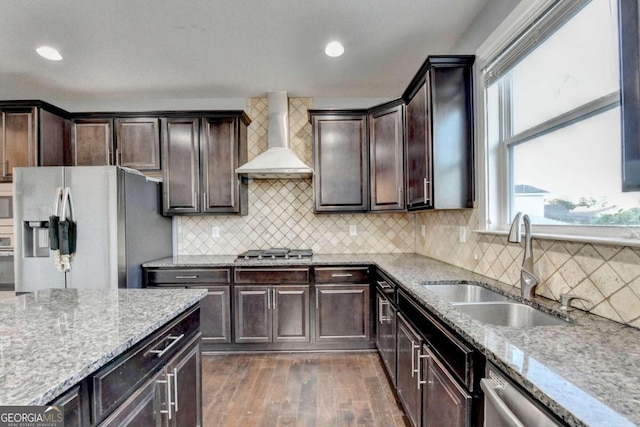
point(275, 253)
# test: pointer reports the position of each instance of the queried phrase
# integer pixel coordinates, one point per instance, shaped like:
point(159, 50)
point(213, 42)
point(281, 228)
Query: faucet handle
point(565, 301)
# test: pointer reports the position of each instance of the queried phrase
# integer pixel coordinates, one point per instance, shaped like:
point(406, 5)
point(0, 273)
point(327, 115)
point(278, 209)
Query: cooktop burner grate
point(275, 253)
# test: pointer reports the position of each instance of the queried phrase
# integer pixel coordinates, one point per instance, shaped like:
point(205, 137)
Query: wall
point(281, 211)
point(609, 276)
point(483, 25)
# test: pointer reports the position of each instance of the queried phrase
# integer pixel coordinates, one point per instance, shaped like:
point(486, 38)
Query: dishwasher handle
point(495, 402)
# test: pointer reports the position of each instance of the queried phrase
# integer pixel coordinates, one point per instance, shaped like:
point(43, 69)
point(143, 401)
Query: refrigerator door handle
point(56, 202)
point(67, 205)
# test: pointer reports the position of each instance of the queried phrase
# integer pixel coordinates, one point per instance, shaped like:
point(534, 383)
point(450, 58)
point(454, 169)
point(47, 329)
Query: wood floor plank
point(298, 390)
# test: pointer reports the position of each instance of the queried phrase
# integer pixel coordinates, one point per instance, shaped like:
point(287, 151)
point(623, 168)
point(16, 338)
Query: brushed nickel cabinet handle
point(175, 389)
point(268, 300)
point(186, 277)
point(168, 390)
point(341, 275)
point(174, 339)
point(413, 358)
point(421, 382)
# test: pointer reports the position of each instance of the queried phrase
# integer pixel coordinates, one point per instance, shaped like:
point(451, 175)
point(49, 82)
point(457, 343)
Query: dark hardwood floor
point(303, 389)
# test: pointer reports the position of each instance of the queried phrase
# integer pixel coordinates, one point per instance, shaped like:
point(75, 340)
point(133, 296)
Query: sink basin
point(509, 314)
point(465, 293)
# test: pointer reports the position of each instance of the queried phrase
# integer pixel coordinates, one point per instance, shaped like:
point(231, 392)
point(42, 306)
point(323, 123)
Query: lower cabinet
point(342, 313)
point(386, 334)
point(271, 313)
point(215, 319)
point(444, 402)
point(408, 380)
point(74, 405)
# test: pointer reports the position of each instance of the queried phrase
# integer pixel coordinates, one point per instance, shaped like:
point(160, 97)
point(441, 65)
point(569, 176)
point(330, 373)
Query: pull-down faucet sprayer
point(528, 280)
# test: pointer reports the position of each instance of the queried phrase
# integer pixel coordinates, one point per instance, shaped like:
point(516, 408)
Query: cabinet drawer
point(272, 275)
point(188, 275)
point(342, 274)
point(117, 380)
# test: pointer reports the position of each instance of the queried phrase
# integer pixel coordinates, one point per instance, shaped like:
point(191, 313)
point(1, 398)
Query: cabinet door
point(386, 154)
point(55, 137)
point(342, 313)
point(408, 356)
point(143, 407)
point(18, 140)
point(252, 314)
point(444, 402)
point(74, 404)
point(219, 153)
point(185, 377)
point(386, 336)
point(340, 163)
point(291, 314)
point(215, 316)
point(181, 183)
point(418, 150)
point(92, 142)
point(138, 143)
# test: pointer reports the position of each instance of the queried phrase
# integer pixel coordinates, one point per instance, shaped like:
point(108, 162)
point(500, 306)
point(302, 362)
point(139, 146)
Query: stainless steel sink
point(509, 314)
point(465, 293)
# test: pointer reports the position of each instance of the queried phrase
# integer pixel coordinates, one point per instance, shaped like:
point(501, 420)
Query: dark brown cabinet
point(340, 159)
point(439, 134)
point(386, 157)
point(143, 408)
point(215, 308)
point(265, 313)
point(74, 405)
point(342, 312)
point(92, 142)
point(184, 386)
point(201, 155)
point(444, 402)
point(409, 344)
point(137, 143)
point(386, 333)
point(32, 135)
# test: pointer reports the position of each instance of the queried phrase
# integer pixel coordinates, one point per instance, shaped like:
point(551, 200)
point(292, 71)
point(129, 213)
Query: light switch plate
point(215, 232)
point(353, 230)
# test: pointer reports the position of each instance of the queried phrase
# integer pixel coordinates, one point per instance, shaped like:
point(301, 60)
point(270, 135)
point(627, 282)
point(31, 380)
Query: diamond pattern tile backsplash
point(281, 211)
point(281, 215)
point(608, 276)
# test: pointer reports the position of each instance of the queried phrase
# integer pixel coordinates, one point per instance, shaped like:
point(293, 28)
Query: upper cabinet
point(138, 143)
point(439, 130)
point(409, 154)
point(340, 160)
point(92, 142)
point(201, 155)
point(386, 157)
point(32, 133)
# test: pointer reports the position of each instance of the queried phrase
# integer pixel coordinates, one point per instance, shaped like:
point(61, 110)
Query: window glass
point(575, 65)
point(572, 175)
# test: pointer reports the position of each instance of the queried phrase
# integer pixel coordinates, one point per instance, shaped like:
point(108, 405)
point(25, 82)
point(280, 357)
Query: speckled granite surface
point(587, 372)
point(52, 339)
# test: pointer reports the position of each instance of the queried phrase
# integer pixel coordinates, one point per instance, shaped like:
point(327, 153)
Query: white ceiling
point(122, 49)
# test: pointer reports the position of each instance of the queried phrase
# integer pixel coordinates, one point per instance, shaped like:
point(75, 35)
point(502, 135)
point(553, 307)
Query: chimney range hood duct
point(278, 161)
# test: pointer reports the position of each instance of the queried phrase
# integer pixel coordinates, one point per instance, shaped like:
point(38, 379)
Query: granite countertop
point(587, 372)
point(52, 339)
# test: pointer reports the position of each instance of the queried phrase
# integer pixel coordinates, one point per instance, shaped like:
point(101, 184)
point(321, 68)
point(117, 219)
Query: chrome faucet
point(528, 280)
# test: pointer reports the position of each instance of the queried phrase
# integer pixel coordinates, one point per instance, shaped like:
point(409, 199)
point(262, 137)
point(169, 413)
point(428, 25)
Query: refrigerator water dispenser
point(35, 238)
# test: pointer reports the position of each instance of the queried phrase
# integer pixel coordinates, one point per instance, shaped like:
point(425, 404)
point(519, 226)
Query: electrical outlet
point(462, 234)
point(215, 232)
point(424, 230)
point(353, 230)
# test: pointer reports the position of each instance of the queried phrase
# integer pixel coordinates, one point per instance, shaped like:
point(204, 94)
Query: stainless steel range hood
point(278, 161)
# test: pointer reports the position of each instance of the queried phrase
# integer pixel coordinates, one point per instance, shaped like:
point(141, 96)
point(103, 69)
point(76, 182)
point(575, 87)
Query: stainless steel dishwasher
point(507, 405)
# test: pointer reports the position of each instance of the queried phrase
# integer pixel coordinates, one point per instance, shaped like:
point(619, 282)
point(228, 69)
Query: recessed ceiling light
point(334, 49)
point(49, 53)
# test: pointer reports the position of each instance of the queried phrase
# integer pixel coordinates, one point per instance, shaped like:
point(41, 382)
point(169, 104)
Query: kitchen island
point(56, 339)
point(586, 372)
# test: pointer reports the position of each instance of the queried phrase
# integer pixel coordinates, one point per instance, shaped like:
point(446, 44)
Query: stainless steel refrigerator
point(118, 220)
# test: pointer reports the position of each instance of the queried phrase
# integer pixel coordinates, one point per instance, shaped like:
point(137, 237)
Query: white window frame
point(491, 183)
